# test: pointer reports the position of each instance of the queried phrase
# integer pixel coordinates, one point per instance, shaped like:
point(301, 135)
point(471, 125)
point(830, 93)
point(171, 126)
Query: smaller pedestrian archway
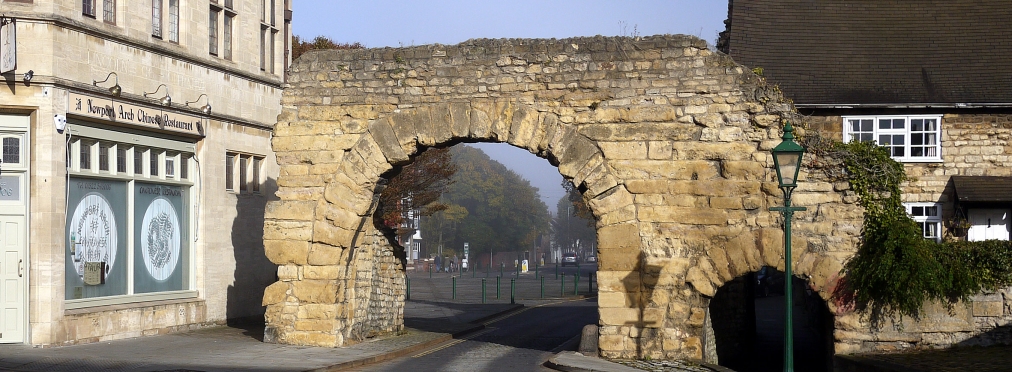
point(745, 325)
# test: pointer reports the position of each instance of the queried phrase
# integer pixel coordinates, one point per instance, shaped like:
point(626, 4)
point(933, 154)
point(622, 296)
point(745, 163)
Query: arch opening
point(745, 324)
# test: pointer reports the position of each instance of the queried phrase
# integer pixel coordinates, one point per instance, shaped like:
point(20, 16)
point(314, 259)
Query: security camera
point(28, 76)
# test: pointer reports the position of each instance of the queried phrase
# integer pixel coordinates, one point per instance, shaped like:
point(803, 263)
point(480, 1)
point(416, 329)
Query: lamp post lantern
point(787, 160)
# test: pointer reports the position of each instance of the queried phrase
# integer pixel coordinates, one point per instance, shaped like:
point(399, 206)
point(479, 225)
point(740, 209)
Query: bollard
point(454, 288)
point(535, 269)
point(482, 290)
point(542, 287)
point(562, 288)
point(502, 266)
point(407, 283)
point(576, 283)
point(513, 291)
point(430, 270)
point(497, 286)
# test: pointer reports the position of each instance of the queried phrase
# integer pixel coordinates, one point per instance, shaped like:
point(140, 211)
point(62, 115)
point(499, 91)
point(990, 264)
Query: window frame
point(212, 30)
point(924, 219)
point(109, 15)
point(173, 21)
point(907, 132)
point(157, 27)
point(88, 8)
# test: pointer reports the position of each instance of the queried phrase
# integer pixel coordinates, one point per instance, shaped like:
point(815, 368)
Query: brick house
point(929, 79)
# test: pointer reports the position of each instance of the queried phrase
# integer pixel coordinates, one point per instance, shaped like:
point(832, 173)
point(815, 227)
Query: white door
point(988, 224)
point(13, 228)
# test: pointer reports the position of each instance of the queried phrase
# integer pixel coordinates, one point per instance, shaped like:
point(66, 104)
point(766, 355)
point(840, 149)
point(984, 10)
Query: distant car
point(569, 259)
point(591, 259)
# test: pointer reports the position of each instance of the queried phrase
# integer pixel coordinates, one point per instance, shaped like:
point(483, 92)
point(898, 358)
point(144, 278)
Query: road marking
point(454, 343)
point(533, 307)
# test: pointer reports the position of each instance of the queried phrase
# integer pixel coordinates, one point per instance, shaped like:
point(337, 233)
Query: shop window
point(103, 157)
point(908, 138)
point(85, 155)
point(126, 235)
point(138, 162)
point(121, 159)
point(928, 216)
point(153, 160)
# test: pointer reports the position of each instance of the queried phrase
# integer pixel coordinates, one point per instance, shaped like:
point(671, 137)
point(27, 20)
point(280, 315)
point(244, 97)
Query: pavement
point(432, 317)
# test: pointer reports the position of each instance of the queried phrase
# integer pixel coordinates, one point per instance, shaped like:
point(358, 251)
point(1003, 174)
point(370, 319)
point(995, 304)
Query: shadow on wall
point(253, 271)
point(639, 288)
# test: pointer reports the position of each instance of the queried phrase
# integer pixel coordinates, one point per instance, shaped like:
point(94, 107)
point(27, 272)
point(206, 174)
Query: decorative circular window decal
point(160, 239)
point(93, 233)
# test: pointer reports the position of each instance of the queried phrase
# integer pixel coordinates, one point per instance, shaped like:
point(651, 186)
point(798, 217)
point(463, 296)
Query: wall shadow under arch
point(746, 319)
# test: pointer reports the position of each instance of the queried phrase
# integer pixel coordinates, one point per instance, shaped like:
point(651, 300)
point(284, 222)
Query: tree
point(573, 223)
point(416, 189)
point(498, 209)
point(300, 46)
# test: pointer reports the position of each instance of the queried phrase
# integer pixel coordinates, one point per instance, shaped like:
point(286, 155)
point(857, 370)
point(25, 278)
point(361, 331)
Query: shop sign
point(8, 45)
point(134, 115)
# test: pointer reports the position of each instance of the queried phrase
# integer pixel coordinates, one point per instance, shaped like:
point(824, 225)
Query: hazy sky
point(383, 23)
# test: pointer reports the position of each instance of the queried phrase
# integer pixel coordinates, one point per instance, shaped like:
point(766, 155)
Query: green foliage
point(574, 221)
point(300, 45)
point(895, 269)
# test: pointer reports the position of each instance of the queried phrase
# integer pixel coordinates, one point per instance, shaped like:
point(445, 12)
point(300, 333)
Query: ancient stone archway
point(669, 139)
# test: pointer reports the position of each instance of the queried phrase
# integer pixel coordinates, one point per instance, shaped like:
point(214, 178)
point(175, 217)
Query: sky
point(387, 23)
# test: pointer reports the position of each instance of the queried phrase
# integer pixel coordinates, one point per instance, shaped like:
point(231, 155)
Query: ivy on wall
point(896, 270)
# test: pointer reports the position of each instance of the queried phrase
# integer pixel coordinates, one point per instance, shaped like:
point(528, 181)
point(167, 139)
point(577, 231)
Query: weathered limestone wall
point(669, 140)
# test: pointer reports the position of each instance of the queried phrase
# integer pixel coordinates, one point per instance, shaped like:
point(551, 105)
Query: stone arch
point(669, 140)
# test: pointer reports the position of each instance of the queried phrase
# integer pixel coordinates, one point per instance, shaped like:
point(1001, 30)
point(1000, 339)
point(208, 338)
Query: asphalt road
point(522, 341)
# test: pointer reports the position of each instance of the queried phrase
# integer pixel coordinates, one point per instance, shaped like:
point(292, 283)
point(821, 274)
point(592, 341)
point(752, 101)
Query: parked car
point(569, 259)
point(591, 259)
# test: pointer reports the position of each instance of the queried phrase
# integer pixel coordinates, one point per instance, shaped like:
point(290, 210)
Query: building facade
point(136, 164)
point(935, 93)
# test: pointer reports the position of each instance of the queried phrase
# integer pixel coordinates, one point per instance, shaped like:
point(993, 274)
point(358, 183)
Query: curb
point(393, 354)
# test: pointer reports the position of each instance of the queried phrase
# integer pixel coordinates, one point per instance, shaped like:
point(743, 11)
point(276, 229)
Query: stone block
point(618, 299)
point(387, 141)
point(275, 293)
point(620, 316)
point(618, 281)
point(283, 252)
point(988, 308)
point(699, 280)
point(523, 126)
point(612, 342)
point(623, 150)
point(689, 216)
point(315, 291)
point(322, 254)
point(288, 230)
point(726, 202)
point(325, 232)
point(322, 272)
point(611, 200)
point(460, 119)
point(290, 210)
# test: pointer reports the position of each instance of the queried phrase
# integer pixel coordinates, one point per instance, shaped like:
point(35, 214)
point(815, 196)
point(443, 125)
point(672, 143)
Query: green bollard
point(562, 288)
point(502, 266)
point(482, 290)
point(407, 282)
point(542, 287)
point(497, 286)
point(430, 270)
point(454, 287)
point(576, 283)
point(513, 291)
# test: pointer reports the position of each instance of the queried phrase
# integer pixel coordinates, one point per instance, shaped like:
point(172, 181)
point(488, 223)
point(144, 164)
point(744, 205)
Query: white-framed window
point(909, 138)
point(928, 216)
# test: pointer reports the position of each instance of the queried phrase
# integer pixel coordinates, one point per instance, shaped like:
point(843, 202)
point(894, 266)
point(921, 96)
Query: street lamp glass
point(787, 158)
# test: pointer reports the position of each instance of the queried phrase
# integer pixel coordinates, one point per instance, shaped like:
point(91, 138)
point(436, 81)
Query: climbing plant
point(896, 270)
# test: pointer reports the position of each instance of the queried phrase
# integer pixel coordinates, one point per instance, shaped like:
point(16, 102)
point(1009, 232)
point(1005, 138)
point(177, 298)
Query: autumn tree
point(416, 189)
point(573, 224)
point(300, 45)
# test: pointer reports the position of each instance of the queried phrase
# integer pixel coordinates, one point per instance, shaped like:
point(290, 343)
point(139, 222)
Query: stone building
point(928, 79)
point(136, 164)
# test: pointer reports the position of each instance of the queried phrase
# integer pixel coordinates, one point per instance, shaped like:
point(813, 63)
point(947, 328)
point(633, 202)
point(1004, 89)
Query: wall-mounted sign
point(8, 45)
point(135, 115)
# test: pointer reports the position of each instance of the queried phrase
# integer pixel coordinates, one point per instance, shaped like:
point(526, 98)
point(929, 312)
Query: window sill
point(109, 303)
point(917, 161)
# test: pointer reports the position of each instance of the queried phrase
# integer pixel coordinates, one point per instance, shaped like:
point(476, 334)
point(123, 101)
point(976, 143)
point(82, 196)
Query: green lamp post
point(787, 160)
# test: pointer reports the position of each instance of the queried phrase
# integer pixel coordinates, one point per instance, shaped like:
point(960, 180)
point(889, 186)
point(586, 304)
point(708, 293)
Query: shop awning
point(983, 188)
